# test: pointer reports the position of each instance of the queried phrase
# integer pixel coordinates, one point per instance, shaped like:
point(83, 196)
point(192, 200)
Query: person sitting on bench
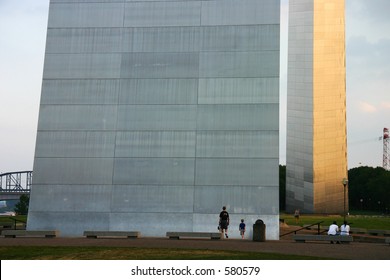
point(344, 229)
point(333, 230)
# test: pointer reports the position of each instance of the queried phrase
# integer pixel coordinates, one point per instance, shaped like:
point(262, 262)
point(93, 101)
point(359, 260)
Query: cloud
point(360, 49)
point(385, 105)
point(376, 11)
point(368, 69)
point(369, 17)
point(367, 107)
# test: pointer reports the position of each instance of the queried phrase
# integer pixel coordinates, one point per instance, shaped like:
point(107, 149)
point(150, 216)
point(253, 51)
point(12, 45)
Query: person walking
point(296, 215)
point(224, 221)
point(241, 228)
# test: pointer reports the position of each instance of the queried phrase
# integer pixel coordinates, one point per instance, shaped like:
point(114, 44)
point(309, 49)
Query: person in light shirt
point(333, 229)
point(344, 229)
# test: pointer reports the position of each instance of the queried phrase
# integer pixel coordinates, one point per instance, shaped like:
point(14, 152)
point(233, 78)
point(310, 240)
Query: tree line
point(368, 187)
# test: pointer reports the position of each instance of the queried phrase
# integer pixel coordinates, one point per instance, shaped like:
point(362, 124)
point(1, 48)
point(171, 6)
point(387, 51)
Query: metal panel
point(74, 198)
point(240, 12)
point(91, 1)
point(77, 117)
point(316, 134)
point(154, 171)
point(86, 15)
point(82, 66)
point(158, 91)
point(238, 91)
point(238, 117)
point(240, 199)
point(155, 144)
point(164, 0)
point(100, 91)
point(68, 223)
point(161, 39)
point(147, 14)
point(146, 104)
point(73, 171)
point(160, 65)
point(83, 40)
point(239, 64)
point(152, 199)
point(240, 38)
point(75, 144)
point(157, 117)
point(237, 144)
point(146, 222)
point(250, 172)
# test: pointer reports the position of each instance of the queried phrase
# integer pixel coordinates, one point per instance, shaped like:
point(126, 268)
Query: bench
point(6, 225)
point(30, 233)
point(329, 238)
point(358, 231)
point(178, 235)
point(101, 233)
point(376, 232)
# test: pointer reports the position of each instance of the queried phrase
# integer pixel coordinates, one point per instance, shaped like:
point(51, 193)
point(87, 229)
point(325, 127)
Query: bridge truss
point(16, 182)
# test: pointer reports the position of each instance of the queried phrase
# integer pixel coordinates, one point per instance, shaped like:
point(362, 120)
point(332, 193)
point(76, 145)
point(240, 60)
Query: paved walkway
point(351, 251)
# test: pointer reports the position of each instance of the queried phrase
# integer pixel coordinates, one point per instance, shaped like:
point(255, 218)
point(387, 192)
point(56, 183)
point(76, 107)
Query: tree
point(369, 189)
point(21, 208)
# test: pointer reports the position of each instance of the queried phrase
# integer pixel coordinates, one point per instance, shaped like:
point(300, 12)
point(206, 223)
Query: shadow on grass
point(104, 253)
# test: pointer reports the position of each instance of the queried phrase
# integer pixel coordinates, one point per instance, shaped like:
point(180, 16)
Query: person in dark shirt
point(224, 221)
point(241, 228)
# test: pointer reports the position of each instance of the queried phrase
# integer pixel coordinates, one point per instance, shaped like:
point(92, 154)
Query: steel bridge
point(16, 182)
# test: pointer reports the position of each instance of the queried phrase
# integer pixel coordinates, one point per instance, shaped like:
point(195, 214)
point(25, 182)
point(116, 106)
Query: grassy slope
point(358, 221)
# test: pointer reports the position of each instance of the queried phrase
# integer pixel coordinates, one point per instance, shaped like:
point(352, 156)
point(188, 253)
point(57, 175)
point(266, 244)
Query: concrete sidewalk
point(351, 251)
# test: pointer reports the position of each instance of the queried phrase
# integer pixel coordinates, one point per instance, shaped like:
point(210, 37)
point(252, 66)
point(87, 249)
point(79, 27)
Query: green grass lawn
point(357, 221)
point(115, 253)
point(10, 219)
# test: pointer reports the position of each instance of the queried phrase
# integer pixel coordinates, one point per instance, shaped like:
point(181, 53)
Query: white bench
point(178, 235)
point(328, 238)
point(30, 233)
point(108, 233)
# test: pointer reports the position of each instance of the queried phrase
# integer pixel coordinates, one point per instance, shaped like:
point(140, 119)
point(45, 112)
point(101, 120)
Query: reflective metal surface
point(155, 114)
point(316, 117)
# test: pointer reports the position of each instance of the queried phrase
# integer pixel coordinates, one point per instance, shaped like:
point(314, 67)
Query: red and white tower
point(386, 149)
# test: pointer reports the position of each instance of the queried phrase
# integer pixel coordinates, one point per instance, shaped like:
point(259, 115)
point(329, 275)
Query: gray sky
point(23, 26)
